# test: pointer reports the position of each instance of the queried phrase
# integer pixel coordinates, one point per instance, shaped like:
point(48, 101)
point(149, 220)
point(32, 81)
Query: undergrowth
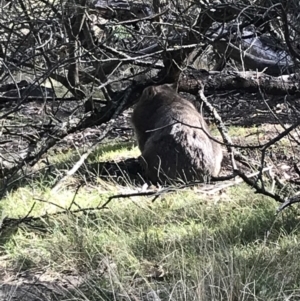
point(183, 246)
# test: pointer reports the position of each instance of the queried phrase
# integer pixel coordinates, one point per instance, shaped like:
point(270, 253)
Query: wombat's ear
point(148, 93)
point(172, 86)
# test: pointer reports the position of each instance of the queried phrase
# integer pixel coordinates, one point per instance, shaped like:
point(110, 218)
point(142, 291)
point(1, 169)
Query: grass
point(183, 246)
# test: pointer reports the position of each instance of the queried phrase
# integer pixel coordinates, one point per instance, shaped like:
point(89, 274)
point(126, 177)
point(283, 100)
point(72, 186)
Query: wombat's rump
point(170, 147)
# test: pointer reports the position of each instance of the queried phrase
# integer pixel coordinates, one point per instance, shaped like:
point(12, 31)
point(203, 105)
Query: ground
point(208, 242)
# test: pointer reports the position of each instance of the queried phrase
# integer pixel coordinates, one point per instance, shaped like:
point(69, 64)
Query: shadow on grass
point(121, 171)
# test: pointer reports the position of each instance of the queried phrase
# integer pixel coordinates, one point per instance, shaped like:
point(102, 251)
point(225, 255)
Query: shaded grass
point(44, 176)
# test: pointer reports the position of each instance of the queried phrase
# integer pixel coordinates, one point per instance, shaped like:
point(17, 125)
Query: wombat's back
point(173, 137)
point(182, 153)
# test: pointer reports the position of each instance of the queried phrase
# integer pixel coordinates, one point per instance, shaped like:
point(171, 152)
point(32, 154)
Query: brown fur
point(171, 150)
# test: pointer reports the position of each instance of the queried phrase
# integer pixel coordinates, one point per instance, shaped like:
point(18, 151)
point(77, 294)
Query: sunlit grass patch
point(115, 151)
point(18, 203)
point(104, 152)
point(239, 131)
point(220, 245)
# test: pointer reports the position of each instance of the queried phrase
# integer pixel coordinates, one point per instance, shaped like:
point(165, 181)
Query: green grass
point(114, 151)
point(228, 246)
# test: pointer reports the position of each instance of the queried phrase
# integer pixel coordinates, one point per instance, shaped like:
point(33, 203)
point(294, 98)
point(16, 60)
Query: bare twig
point(83, 157)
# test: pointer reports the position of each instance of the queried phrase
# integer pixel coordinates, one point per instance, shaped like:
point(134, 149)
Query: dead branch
point(288, 202)
point(271, 67)
point(249, 81)
point(109, 125)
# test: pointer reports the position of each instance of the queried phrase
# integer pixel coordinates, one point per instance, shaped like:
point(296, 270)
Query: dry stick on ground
point(234, 154)
point(231, 150)
point(82, 159)
point(290, 201)
point(285, 202)
point(221, 127)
